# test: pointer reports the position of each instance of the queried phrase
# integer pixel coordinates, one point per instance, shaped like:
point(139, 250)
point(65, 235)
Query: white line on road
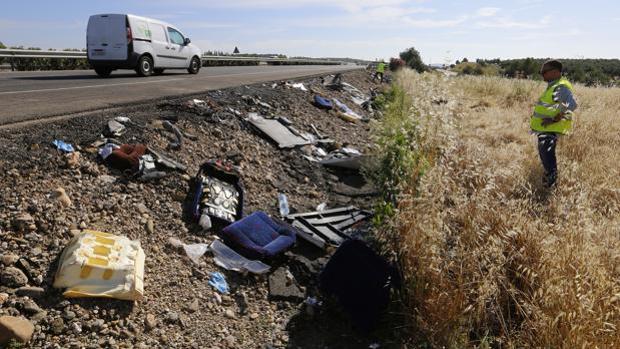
point(143, 82)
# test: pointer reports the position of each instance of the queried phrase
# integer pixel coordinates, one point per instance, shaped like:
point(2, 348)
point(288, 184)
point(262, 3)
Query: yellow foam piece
point(97, 264)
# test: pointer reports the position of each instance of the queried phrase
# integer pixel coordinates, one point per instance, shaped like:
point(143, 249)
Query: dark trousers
point(546, 150)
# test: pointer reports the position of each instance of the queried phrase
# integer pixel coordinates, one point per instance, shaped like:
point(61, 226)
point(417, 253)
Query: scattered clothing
point(62, 146)
point(218, 281)
point(323, 103)
point(127, 157)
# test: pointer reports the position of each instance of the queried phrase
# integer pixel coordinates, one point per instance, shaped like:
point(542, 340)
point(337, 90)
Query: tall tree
point(412, 58)
point(236, 50)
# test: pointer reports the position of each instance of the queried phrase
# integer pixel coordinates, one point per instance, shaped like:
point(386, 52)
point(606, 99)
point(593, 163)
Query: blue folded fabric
point(258, 236)
point(218, 281)
point(63, 146)
point(323, 103)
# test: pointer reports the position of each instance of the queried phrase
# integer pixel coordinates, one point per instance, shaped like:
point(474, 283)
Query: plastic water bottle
point(283, 203)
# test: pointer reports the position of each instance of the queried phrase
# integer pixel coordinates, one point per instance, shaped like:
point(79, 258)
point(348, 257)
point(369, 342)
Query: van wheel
point(145, 66)
point(103, 72)
point(194, 66)
point(158, 71)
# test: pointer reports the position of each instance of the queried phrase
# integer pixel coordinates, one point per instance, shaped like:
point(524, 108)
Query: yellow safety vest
point(548, 108)
point(381, 68)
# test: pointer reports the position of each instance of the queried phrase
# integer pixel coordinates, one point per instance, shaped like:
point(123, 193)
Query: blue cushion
point(323, 103)
point(258, 236)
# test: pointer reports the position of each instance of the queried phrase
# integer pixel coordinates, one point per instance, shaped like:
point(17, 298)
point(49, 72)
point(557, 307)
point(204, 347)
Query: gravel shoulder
point(180, 309)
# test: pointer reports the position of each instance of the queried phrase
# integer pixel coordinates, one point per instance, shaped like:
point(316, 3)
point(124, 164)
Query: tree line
point(591, 72)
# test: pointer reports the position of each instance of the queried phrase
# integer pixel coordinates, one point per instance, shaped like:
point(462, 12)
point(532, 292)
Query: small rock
point(69, 315)
point(72, 160)
point(96, 325)
point(23, 222)
point(230, 342)
point(13, 277)
point(174, 242)
point(3, 298)
point(194, 306)
point(31, 307)
point(38, 316)
point(76, 328)
point(57, 325)
point(150, 227)
point(254, 316)
point(150, 322)
point(31, 292)
point(9, 259)
point(61, 196)
point(229, 314)
point(282, 285)
point(172, 317)
point(217, 298)
point(142, 209)
point(15, 328)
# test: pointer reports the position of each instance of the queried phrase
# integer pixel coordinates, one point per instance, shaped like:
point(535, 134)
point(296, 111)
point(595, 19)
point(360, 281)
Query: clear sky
point(441, 30)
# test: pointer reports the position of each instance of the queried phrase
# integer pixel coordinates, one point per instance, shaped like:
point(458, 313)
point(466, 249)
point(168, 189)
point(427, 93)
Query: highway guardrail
point(20, 53)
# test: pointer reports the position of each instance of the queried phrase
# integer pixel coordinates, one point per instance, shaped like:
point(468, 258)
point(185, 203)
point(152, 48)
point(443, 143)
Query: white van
point(116, 41)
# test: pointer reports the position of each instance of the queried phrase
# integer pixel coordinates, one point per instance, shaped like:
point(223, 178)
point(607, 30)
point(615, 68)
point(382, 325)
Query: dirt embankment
point(180, 309)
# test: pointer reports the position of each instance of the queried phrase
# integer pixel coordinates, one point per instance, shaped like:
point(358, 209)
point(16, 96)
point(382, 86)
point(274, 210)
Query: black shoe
point(549, 180)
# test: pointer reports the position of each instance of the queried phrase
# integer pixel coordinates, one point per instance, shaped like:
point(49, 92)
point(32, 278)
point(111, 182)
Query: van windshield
point(175, 36)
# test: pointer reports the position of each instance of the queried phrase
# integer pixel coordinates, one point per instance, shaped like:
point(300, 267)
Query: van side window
point(159, 33)
point(175, 36)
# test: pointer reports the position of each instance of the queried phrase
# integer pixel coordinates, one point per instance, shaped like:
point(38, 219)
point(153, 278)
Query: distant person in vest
point(553, 116)
point(380, 71)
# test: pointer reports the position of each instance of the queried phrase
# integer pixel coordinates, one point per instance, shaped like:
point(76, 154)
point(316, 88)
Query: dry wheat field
point(491, 259)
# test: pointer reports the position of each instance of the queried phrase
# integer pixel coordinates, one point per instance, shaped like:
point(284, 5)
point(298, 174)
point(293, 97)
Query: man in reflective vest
point(552, 117)
point(380, 71)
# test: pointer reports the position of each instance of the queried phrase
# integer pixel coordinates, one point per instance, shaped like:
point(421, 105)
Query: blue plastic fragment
point(63, 146)
point(218, 281)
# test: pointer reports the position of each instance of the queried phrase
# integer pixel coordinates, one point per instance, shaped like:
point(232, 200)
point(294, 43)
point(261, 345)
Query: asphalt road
point(34, 95)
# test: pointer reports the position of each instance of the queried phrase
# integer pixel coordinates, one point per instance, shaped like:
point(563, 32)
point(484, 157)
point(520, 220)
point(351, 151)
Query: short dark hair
point(553, 64)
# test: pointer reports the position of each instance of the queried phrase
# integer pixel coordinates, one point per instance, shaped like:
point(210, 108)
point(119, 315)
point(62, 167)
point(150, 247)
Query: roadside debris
point(62, 146)
point(327, 227)
point(218, 281)
point(177, 133)
point(278, 131)
point(37, 227)
point(126, 157)
point(344, 158)
point(259, 236)
point(228, 259)
point(361, 281)
point(96, 264)
point(346, 113)
point(299, 86)
point(323, 103)
point(283, 205)
point(218, 194)
point(193, 251)
point(115, 129)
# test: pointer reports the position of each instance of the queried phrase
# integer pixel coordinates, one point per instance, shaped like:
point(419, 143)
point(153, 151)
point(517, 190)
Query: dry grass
point(490, 258)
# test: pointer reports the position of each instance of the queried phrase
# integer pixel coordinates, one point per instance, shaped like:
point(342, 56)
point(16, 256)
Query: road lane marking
point(148, 82)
